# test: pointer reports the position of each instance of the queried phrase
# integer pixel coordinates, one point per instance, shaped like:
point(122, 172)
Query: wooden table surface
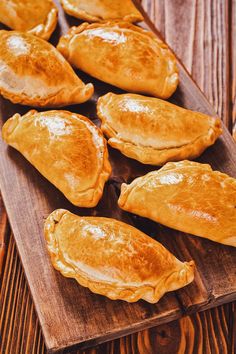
point(203, 35)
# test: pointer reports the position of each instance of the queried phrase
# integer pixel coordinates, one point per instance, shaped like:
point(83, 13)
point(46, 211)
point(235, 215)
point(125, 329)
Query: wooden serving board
point(70, 315)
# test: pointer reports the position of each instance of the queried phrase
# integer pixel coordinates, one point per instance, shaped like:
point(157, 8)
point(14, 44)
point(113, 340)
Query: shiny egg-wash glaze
point(66, 148)
point(99, 10)
point(33, 72)
point(112, 258)
point(154, 131)
point(187, 196)
point(122, 55)
point(34, 16)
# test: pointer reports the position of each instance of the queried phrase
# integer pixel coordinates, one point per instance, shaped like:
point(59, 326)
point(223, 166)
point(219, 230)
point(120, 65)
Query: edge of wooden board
point(193, 90)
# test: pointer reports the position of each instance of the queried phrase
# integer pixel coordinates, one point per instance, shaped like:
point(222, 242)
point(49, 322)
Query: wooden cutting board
point(70, 315)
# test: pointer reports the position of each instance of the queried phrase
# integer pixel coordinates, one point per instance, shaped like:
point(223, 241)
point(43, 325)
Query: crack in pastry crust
point(30, 16)
point(66, 148)
point(127, 56)
point(112, 258)
point(33, 72)
point(186, 196)
point(95, 11)
point(124, 118)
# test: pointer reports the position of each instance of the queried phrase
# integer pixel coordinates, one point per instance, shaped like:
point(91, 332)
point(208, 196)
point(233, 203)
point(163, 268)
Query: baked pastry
point(99, 10)
point(122, 55)
point(112, 258)
point(66, 148)
point(33, 72)
point(154, 131)
point(38, 17)
point(187, 196)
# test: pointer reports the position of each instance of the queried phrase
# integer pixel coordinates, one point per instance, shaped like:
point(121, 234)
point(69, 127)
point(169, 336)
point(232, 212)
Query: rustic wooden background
point(203, 35)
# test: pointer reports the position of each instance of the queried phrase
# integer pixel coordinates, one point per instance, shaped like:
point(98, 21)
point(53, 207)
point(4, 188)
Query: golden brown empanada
point(98, 10)
point(33, 72)
point(154, 131)
point(67, 148)
point(112, 258)
point(187, 196)
point(38, 17)
point(123, 55)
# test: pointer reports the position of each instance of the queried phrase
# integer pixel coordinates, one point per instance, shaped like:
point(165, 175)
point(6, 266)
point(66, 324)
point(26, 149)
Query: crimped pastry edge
point(158, 157)
point(131, 294)
point(63, 48)
point(87, 198)
point(77, 93)
point(80, 94)
point(45, 30)
point(126, 189)
point(65, 39)
point(74, 11)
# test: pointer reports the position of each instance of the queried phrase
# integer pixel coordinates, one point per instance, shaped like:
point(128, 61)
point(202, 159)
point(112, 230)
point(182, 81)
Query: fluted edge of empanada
point(86, 198)
point(152, 156)
point(64, 41)
point(61, 98)
point(83, 15)
point(94, 194)
point(128, 189)
point(45, 30)
point(177, 279)
point(122, 24)
point(172, 79)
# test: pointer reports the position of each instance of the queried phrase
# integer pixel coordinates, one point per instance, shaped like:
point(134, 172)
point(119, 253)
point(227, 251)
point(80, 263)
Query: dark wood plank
point(198, 32)
point(208, 288)
point(232, 52)
point(17, 333)
point(4, 234)
point(63, 307)
point(211, 331)
point(209, 46)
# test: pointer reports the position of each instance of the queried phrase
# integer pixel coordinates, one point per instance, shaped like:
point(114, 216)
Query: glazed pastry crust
point(38, 17)
point(186, 196)
point(33, 72)
point(154, 131)
point(66, 148)
point(112, 258)
point(99, 10)
point(122, 55)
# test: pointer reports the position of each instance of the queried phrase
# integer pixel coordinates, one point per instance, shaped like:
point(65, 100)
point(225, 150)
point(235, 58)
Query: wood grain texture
point(4, 233)
point(232, 52)
point(19, 326)
point(71, 315)
point(198, 32)
point(142, 341)
point(211, 331)
point(207, 29)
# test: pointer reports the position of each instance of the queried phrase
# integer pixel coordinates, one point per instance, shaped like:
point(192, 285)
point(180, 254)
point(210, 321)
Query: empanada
point(112, 258)
point(187, 196)
point(154, 131)
point(123, 55)
point(98, 10)
point(66, 148)
point(38, 17)
point(33, 72)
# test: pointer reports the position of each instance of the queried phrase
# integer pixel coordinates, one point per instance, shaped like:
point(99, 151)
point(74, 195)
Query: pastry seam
point(94, 191)
point(73, 11)
point(45, 30)
point(49, 101)
point(194, 148)
point(130, 293)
